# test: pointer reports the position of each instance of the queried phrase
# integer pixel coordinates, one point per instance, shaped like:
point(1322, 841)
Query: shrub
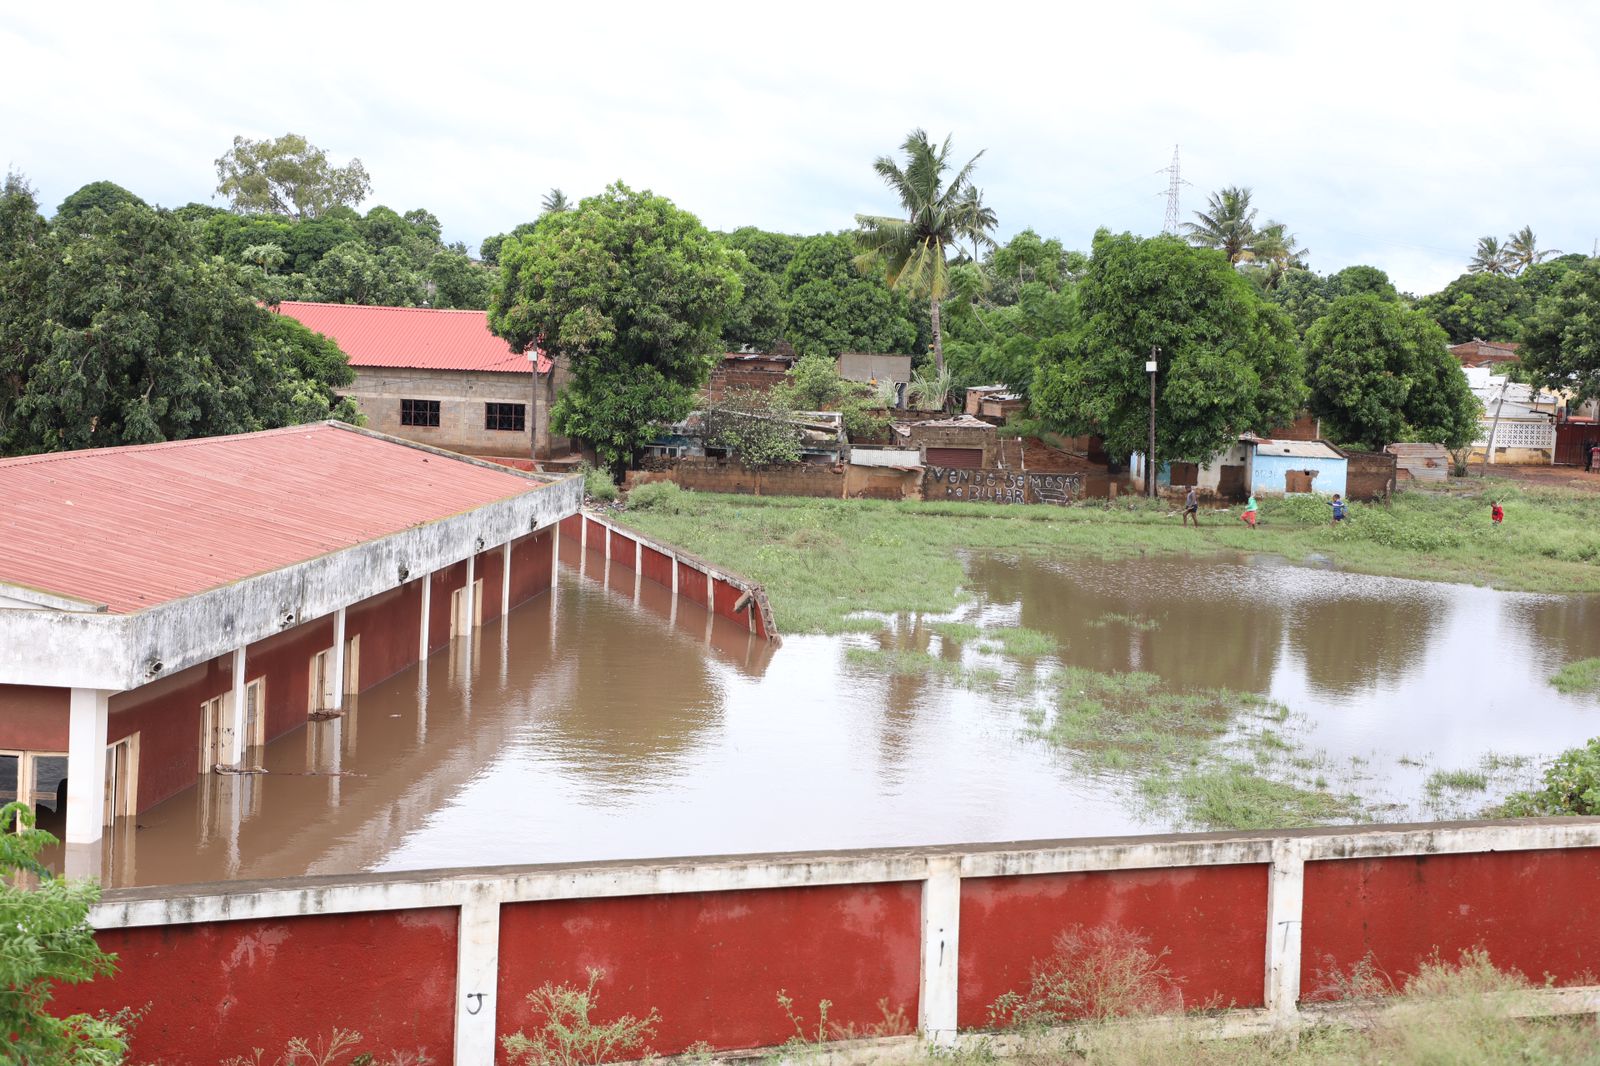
point(569, 1036)
point(758, 427)
point(597, 485)
point(1092, 974)
point(661, 496)
point(1571, 786)
point(814, 383)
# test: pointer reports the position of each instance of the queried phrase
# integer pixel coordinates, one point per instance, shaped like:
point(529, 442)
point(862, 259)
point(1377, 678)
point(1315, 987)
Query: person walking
point(1338, 509)
point(1191, 507)
point(1249, 516)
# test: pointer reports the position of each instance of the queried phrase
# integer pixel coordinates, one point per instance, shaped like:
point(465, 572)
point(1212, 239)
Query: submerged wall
point(926, 938)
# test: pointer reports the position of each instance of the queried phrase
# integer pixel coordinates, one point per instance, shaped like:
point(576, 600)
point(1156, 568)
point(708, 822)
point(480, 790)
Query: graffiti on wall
point(1000, 486)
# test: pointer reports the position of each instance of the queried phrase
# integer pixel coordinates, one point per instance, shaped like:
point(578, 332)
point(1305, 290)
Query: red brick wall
point(531, 561)
point(389, 625)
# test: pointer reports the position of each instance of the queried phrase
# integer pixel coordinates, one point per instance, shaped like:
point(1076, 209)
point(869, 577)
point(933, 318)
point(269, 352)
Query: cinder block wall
point(461, 394)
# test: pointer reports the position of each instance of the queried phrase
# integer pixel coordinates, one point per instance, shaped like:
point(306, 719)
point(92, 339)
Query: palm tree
point(980, 218)
point(1490, 258)
point(1522, 250)
point(913, 252)
point(1275, 246)
point(1227, 224)
point(555, 202)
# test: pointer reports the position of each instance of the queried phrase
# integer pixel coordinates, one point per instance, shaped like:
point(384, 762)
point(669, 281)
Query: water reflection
point(610, 719)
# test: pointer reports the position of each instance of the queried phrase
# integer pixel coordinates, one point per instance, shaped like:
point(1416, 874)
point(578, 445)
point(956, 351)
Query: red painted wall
point(691, 583)
point(622, 548)
point(1531, 910)
point(597, 536)
point(1212, 920)
point(489, 569)
point(215, 990)
point(712, 963)
point(166, 715)
point(445, 582)
point(34, 718)
point(286, 661)
point(532, 557)
point(572, 526)
point(389, 625)
point(657, 566)
point(727, 596)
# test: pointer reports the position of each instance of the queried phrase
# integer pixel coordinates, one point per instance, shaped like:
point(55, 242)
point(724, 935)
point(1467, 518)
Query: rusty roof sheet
point(136, 526)
point(419, 338)
point(1300, 449)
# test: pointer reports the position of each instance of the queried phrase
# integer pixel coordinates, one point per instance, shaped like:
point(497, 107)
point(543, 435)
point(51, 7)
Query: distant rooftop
point(417, 338)
point(1300, 449)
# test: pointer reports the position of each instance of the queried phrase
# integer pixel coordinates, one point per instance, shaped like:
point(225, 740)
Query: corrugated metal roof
point(136, 526)
point(1300, 449)
point(420, 338)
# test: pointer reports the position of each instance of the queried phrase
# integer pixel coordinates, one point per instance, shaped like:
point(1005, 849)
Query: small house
point(1287, 467)
point(961, 442)
point(1421, 463)
point(875, 367)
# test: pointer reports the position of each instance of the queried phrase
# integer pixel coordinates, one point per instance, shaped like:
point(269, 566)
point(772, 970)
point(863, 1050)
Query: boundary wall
point(720, 591)
point(442, 960)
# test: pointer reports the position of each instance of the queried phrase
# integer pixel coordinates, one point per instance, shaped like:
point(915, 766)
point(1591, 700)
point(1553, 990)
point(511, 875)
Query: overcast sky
point(1391, 133)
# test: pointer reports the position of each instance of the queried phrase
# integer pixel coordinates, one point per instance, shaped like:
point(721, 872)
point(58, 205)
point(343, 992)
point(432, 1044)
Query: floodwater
point(608, 721)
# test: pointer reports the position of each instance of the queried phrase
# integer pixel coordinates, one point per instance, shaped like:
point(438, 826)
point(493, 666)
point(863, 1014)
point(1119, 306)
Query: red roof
point(136, 526)
point(419, 338)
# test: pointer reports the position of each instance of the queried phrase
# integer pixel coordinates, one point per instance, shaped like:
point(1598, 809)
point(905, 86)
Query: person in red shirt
point(1496, 512)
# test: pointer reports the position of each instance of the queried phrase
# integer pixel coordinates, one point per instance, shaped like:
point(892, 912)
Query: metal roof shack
point(418, 338)
point(1299, 449)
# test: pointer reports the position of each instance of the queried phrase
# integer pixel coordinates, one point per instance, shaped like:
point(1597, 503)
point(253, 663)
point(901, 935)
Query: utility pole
point(1150, 456)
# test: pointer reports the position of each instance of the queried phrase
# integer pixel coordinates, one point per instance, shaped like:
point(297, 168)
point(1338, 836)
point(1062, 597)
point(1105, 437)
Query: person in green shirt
point(1249, 516)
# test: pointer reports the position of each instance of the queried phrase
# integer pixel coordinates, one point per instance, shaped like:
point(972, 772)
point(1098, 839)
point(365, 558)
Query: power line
point(1174, 175)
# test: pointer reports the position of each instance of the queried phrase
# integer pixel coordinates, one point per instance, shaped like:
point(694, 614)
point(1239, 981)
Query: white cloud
point(1383, 133)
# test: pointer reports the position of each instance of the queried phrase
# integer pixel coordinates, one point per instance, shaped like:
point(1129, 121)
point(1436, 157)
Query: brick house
point(441, 378)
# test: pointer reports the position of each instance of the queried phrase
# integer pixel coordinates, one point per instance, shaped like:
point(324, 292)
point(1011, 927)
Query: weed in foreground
point(342, 1047)
point(1092, 974)
point(1024, 643)
point(570, 1036)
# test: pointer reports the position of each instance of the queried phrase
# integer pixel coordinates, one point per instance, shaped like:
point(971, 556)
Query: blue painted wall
point(1267, 473)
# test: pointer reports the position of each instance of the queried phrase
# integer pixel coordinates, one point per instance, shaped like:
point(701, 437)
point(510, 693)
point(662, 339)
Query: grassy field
point(824, 560)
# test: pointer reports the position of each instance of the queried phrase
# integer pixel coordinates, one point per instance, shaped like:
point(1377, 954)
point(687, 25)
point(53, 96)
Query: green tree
point(118, 329)
point(913, 252)
point(1484, 305)
point(1228, 359)
point(760, 319)
point(288, 176)
point(1381, 373)
point(1522, 250)
point(298, 371)
point(630, 291)
point(756, 426)
point(554, 202)
point(458, 282)
point(1561, 342)
point(350, 273)
point(46, 940)
point(833, 308)
point(105, 195)
point(1228, 224)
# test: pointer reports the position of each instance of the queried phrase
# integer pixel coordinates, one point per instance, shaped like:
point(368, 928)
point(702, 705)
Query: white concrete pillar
point(1286, 895)
point(338, 660)
point(583, 533)
point(427, 609)
point(467, 605)
point(674, 559)
point(477, 977)
point(86, 764)
point(605, 531)
point(941, 927)
point(233, 733)
point(638, 555)
point(555, 552)
point(505, 579)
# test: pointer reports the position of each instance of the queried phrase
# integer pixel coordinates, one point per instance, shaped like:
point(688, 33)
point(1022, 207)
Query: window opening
point(505, 416)
point(419, 413)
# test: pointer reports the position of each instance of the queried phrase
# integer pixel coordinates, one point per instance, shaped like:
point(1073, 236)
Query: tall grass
point(1578, 677)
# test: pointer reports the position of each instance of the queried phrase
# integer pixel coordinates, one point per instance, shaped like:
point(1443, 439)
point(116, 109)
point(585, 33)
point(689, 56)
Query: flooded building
point(167, 609)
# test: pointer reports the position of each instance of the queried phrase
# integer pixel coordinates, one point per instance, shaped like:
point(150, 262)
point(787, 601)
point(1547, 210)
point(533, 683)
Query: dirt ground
point(1571, 477)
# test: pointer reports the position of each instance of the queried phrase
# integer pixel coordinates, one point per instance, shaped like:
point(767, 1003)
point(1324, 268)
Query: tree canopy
point(1380, 373)
point(116, 328)
point(1561, 342)
point(1228, 359)
point(288, 176)
point(630, 291)
point(104, 195)
point(833, 308)
point(1484, 305)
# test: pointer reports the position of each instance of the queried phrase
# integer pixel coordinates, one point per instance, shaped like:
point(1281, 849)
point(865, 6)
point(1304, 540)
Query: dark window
point(1186, 474)
point(512, 416)
point(419, 412)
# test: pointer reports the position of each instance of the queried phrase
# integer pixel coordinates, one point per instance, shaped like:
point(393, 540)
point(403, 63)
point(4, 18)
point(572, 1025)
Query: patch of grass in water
point(1025, 643)
point(1455, 781)
point(1575, 678)
point(1233, 795)
point(903, 663)
point(1131, 621)
point(956, 630)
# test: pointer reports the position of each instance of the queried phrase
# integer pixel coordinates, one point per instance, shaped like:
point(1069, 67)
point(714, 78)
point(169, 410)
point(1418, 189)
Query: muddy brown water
point(606, 721)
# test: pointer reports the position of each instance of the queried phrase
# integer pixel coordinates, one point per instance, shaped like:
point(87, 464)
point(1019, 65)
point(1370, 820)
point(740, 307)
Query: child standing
point(1249, 516)
point(1338, 509)
point(1496, 513)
